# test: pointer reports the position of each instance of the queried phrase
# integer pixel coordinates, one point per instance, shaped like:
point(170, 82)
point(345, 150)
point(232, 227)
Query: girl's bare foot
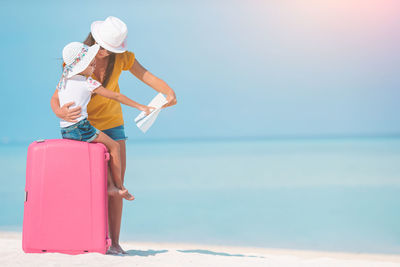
point(112, 190)
point(125, 194)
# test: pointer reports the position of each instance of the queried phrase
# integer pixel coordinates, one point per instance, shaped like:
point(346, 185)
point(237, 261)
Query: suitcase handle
point(107, 156)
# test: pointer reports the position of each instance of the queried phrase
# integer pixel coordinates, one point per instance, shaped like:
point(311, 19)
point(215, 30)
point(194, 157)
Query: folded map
point(144, 122)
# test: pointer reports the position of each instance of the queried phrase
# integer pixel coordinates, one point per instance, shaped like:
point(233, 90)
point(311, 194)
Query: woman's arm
point(122, 99)
point(154, 82)
point(64, 112)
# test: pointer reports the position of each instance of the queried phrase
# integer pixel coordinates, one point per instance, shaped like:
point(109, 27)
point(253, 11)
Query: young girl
point(77, 86)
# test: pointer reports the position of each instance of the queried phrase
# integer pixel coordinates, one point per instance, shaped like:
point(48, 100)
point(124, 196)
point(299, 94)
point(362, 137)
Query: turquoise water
point(321, 194)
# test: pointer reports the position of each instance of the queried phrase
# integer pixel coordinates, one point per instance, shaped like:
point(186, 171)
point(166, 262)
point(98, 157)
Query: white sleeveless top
point(77, 89)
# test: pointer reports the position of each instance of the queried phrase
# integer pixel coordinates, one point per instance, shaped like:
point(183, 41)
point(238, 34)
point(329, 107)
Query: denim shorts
point(116, 133)
point(80, 131)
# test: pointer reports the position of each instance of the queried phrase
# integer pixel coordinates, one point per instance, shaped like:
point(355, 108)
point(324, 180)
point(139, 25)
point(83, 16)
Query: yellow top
point(105, 113)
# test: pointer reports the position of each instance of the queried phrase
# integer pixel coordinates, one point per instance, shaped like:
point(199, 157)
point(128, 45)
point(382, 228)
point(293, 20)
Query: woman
point(105, 114)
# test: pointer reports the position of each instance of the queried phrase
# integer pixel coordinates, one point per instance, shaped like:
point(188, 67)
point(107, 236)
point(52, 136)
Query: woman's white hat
point(110, 34)
point(77, 57)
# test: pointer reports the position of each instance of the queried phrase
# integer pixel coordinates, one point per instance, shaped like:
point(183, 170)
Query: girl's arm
point(154, 82)
point(64, 112)
point(122, 99)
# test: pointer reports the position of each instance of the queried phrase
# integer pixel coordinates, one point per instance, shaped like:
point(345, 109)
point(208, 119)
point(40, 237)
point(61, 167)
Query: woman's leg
point(115, 205)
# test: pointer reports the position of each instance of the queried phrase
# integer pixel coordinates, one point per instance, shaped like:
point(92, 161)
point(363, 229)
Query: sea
point(325, 194)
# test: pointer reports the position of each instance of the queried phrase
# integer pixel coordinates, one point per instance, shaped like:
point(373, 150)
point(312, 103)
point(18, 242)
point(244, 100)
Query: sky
point(239, 68)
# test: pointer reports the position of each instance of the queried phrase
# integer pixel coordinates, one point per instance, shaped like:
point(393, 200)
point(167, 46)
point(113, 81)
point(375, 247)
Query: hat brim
point(94, 29)
point(84, 63)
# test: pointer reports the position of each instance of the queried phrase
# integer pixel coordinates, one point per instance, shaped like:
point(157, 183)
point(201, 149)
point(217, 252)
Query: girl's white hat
point(110, 34)
point(77, 57)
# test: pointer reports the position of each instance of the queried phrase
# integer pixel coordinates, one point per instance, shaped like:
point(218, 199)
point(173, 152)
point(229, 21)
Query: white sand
point(168, 254)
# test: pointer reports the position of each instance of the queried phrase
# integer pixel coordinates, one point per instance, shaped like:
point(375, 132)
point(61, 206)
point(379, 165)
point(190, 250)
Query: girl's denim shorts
point(80, 131)
point(116, 133)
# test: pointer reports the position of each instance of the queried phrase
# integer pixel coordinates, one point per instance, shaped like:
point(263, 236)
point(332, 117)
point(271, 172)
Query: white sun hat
point(110, 34)
point(77, 57)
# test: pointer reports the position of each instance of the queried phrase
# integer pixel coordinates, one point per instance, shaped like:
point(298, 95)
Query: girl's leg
point(115, 205)
point(115, 163)
point(111, 188)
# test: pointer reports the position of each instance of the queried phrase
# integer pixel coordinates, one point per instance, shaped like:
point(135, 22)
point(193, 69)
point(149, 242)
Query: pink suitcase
point(65, 207)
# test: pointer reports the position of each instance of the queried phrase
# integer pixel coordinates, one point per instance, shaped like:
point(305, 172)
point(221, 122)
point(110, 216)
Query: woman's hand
point(147, 109)
point(154, 82)
point(68, 114)
point(171, 98)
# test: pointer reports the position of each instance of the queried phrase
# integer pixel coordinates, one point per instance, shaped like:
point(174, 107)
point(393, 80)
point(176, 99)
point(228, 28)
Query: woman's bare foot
point(113, 251)
point(116, 250)
point(120, 250)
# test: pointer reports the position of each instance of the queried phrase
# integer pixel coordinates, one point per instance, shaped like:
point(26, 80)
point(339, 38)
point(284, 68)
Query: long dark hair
point(111, 60)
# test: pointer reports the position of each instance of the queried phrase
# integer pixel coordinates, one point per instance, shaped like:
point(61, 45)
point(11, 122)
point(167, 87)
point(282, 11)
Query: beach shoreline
point(187, 254)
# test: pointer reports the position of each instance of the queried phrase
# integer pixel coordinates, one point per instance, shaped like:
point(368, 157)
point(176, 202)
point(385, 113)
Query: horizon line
point(5, 141)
